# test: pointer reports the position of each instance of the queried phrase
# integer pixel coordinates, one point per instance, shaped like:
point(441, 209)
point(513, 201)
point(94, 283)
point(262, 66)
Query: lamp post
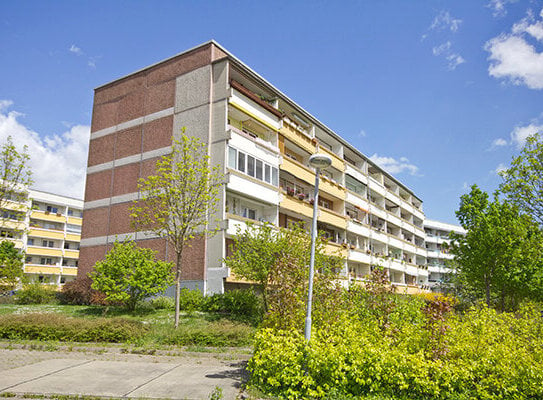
point(317, 161)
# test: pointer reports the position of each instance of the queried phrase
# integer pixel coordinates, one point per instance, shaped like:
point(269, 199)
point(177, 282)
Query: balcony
point(43, 251)
point(300, 139)
point(306, 209)
point(73, 237)
point(307, 175)
point(244, 184)
point(75, 220)
point(47, 216)
point(334, 249)
point(42, 269)
point(69, 271)
point(46, 233)
point(71, 253)
point(258, 112)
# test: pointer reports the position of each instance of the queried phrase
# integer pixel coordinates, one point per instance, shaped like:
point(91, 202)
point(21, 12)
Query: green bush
point(190, 300)
point(218, 334)
point(162, 303)
point(36, 293)
point(489, 356)
point(62, 328)
point(242, 305)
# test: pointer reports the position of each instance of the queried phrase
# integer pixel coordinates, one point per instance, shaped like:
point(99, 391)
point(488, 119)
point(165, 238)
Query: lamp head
point(320, 161)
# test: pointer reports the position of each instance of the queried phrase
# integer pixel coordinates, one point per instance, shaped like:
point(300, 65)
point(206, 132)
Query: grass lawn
point(195, 329)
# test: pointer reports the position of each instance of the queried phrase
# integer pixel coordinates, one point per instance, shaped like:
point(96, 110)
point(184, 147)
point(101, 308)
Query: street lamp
point(317, 161)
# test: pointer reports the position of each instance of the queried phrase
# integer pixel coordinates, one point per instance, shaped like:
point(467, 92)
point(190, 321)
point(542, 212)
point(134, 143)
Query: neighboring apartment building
point(263, 140)
point(438, 235)
point(48, 228)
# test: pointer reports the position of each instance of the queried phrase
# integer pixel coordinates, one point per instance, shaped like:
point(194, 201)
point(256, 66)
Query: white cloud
point(454, 59)
point(91, 61)
point(5, 104)
point(500, 142)
point(362, 133)
point(58, 162)
point(393, 166)
point(498, 7)
point(513, 58)
point(442, 48)
point(76, 50)
point(521, 133)
point(444, 21)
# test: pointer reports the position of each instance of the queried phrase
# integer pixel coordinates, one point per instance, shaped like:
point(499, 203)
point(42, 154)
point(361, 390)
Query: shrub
point(491, 356)
point(80, 292)
point(243, 305)
point(162, 303)
point(36, 293)
point(190, 300)
point(218, 334)
point(63, 328)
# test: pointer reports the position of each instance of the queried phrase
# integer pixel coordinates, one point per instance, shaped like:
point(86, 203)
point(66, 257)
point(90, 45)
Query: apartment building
point(262, 140)
point(437, 239)
point(48, 228)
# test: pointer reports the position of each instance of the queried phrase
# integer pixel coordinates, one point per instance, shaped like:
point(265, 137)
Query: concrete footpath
point(112, 373)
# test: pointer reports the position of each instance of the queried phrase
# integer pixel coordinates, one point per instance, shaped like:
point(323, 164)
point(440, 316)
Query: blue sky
point(441, 93)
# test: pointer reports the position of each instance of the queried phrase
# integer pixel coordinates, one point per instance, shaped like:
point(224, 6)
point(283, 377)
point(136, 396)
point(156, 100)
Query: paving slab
point(175, 378)
point(13, 377)
point(194, 382)
point(99, 378)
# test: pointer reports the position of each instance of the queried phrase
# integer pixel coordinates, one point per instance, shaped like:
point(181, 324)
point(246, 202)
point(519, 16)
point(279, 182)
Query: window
point(28, 259)
point(249, 213)
point(259, 167)
point(275, 176)
point(49, 243)
point(30, 242)
point(6, 234)
point(70, 212)
point(62, 280)
point(73, 228)
point(46, 261)
point(267, 173)
point(241, 161)
point(67, 246)
point(232, 157)
point(325, 203)
point(52, 209)
point(251, 166)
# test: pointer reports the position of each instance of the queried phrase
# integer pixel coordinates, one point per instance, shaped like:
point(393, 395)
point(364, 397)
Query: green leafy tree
point(276, 261)
point(500, 257)
point(11, 266)
point(179, 202)
point(129, 274)
point(15, 177)
point(523, 180)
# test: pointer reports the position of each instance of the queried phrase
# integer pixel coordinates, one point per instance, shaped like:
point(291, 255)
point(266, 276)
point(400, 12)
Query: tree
point(500, 257)
point(276, 261)
point(523, 180)
point(129, 274)
point(15, 174)
point(179, 202)
point(11, 266)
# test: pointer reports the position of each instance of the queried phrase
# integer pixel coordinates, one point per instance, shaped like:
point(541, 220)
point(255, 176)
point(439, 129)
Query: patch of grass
point(61, 328)
point(47, 322)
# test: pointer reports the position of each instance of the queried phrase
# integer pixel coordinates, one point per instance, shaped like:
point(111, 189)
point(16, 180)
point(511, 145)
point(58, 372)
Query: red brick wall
point(137, 95)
